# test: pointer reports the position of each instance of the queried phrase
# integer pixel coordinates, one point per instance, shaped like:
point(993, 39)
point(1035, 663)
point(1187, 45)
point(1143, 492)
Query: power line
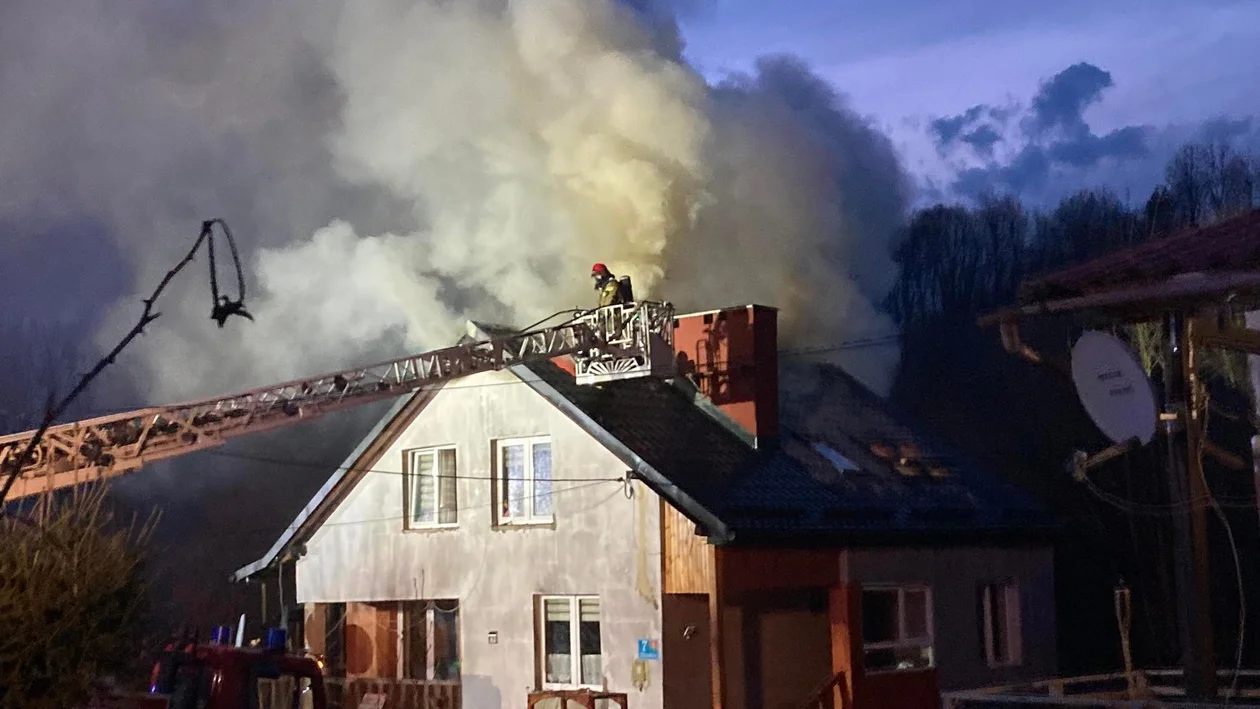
point(293, 462)
point(459, 509)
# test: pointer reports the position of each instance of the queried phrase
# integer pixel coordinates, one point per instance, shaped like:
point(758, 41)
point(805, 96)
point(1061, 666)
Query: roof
point(795, 492)
point(1229, 245)
point(902, 481)
point(689, 453)
point(342, 479)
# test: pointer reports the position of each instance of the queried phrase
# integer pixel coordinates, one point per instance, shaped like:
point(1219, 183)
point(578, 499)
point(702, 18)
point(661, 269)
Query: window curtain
point(423, 509)
point(514, 480)
point(588, 632)
point(557, 629)
point(542, 480)
point(447, 488)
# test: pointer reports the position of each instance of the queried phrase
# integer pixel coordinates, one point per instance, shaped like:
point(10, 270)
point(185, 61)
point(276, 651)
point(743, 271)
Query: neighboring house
point(514, 531)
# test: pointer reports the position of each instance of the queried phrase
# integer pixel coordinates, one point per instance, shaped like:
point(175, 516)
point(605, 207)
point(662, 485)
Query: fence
point(346, 693)
point(583, 698)
point(1141, 689)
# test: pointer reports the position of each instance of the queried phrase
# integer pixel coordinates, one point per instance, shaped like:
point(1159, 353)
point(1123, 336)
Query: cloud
point(978, 127)
point(1046, 140)
point(1060, 103)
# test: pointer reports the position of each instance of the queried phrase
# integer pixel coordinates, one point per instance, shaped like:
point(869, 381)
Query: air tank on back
point(627, 291)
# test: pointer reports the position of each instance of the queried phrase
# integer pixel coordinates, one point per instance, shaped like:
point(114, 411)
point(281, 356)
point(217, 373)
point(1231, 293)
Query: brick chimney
point(732, 357)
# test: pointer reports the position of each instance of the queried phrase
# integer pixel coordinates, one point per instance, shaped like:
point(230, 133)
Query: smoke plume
point(392, 167)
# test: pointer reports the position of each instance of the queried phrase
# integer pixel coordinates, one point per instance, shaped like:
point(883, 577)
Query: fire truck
point(218, 675)
point(634, 339)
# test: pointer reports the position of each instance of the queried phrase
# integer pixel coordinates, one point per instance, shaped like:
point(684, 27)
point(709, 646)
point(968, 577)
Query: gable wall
point(602, 543)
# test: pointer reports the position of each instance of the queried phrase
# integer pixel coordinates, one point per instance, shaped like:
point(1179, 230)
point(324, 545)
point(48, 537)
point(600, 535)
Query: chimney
point(732, 357)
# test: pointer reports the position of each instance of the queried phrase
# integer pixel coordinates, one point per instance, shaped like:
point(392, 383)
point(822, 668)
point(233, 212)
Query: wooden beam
point(717, 607)
point(842, 612)
point(1210, 333)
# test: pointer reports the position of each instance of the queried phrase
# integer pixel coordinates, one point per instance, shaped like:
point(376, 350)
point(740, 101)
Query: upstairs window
point(896, 628)
point(431, 488)
point(523, 481)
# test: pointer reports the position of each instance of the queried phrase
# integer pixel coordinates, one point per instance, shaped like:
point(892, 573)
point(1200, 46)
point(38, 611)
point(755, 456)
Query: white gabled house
point(512, 532)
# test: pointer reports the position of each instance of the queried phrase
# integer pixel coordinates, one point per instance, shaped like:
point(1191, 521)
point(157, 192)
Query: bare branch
point(148, 315)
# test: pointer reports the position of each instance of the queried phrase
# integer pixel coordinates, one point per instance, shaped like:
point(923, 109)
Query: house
point(514, 531)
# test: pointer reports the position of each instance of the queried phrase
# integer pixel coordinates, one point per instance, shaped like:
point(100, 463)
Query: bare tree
point(1210, 181)
point(71, 590)
point(40, 359)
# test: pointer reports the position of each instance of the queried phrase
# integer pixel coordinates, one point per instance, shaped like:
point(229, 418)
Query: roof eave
point(348, 468)
point(1184, 288)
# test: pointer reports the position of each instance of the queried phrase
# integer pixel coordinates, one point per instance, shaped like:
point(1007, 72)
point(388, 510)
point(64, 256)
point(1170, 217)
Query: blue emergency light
point(221, 635)
point(276, 639)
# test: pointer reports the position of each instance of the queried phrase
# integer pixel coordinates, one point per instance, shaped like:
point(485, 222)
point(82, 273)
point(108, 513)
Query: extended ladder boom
point(616, 342)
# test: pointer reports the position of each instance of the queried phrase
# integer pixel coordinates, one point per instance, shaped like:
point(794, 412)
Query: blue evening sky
point(1145, 76)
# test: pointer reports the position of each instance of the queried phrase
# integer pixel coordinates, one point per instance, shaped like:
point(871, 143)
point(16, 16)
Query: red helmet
point(599, 268)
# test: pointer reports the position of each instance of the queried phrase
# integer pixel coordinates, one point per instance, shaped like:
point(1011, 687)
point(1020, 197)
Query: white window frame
point(1010, 622)
point(529, 518)
point(575, 641)
point(409, 521)
point(902, 640)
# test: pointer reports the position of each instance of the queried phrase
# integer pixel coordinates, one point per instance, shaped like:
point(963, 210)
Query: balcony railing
point(1139, 689)
point(347, 693)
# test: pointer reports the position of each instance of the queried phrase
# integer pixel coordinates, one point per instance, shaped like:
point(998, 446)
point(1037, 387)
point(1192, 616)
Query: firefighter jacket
point(610, 293)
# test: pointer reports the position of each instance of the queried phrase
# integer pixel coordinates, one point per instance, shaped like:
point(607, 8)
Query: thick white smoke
point(393, 167)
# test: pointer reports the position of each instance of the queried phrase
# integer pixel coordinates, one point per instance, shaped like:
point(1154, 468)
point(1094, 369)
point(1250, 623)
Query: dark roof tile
point(793, 490)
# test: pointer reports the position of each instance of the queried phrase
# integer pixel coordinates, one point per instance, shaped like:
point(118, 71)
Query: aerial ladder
point(616, 342)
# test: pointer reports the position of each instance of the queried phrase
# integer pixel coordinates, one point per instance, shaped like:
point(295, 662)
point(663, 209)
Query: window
point(429, 640)
point(999, 623)
point(523, 481)
point(335, 639)
point(572, 655)
point(896, 628)
point(431, 488)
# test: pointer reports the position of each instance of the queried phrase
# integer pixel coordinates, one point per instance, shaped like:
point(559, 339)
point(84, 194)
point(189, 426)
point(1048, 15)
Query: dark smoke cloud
point(393, 167)
point(1061, 102)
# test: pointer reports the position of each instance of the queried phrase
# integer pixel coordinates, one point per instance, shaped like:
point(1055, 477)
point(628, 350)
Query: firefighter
point(610, 292)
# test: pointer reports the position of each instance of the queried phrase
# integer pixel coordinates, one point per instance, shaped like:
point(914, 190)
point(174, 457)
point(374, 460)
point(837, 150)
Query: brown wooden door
point(686, 683)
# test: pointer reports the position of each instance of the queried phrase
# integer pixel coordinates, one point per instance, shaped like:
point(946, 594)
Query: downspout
point(1012, 343)
point(284, 609)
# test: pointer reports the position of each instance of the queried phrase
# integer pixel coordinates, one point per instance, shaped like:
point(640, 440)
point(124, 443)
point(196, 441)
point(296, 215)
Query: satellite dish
point(1113, 388)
